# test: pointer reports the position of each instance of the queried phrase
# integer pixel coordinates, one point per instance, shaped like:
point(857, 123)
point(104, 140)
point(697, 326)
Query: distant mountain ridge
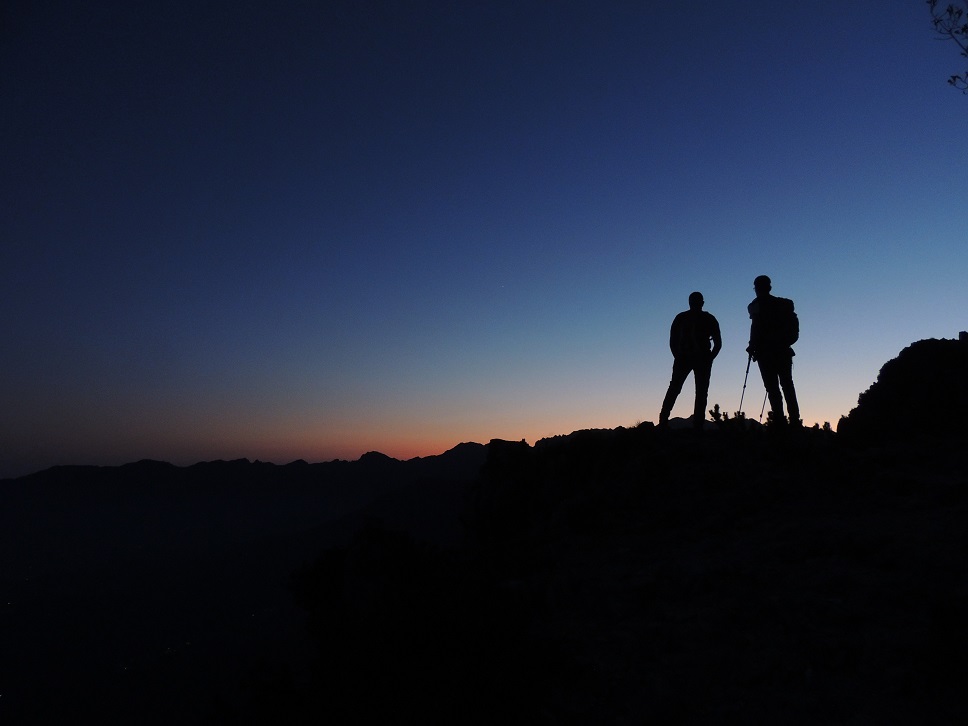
point(459, 461)
point(107, 570)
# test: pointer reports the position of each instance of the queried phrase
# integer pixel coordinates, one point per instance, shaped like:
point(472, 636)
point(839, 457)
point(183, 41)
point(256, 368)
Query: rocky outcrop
point(922, 392)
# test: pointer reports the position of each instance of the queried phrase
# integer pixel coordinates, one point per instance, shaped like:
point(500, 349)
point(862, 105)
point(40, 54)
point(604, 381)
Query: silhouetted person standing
point(774, 328)
point(689, 340)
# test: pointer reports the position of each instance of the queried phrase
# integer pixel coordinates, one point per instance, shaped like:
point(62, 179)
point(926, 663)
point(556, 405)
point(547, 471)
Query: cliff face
point(922, 392)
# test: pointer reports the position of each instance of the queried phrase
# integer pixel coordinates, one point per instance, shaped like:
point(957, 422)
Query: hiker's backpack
point(787, 322)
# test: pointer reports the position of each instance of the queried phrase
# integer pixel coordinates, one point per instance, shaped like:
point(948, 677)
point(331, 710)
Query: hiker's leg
point(771, 382)
point(680, 371)
point(702, 371)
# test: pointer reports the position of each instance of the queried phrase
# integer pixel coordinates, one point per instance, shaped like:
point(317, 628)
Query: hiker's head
point(762, 285)
point(696, 301)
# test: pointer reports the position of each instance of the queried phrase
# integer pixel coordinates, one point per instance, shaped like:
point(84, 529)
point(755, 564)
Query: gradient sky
point(313, 229)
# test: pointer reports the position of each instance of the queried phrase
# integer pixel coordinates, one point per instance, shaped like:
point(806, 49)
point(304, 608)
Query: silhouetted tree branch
point(951, 23)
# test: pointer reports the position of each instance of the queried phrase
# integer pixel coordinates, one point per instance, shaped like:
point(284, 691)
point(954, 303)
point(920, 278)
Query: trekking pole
point(763, 407)
point(748, 361)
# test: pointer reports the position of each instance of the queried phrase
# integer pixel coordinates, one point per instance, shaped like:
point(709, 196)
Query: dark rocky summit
point(635, 576)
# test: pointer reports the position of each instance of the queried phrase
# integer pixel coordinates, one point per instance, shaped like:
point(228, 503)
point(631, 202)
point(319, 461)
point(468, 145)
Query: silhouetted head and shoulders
point(762, 286)
point(695, 311)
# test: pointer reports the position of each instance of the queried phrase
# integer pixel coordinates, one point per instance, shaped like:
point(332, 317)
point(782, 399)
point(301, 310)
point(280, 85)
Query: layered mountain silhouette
point(629, 575)
point(120, 586)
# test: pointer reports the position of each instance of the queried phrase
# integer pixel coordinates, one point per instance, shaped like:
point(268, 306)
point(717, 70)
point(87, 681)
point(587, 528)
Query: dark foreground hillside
point(636, 576)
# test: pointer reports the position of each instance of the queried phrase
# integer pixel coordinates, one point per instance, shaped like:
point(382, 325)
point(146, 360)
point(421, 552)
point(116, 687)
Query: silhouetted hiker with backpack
point(774, 328)
point(689, 340)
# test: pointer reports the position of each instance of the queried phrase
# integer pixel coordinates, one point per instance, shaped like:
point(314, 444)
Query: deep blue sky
point(308, 230)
